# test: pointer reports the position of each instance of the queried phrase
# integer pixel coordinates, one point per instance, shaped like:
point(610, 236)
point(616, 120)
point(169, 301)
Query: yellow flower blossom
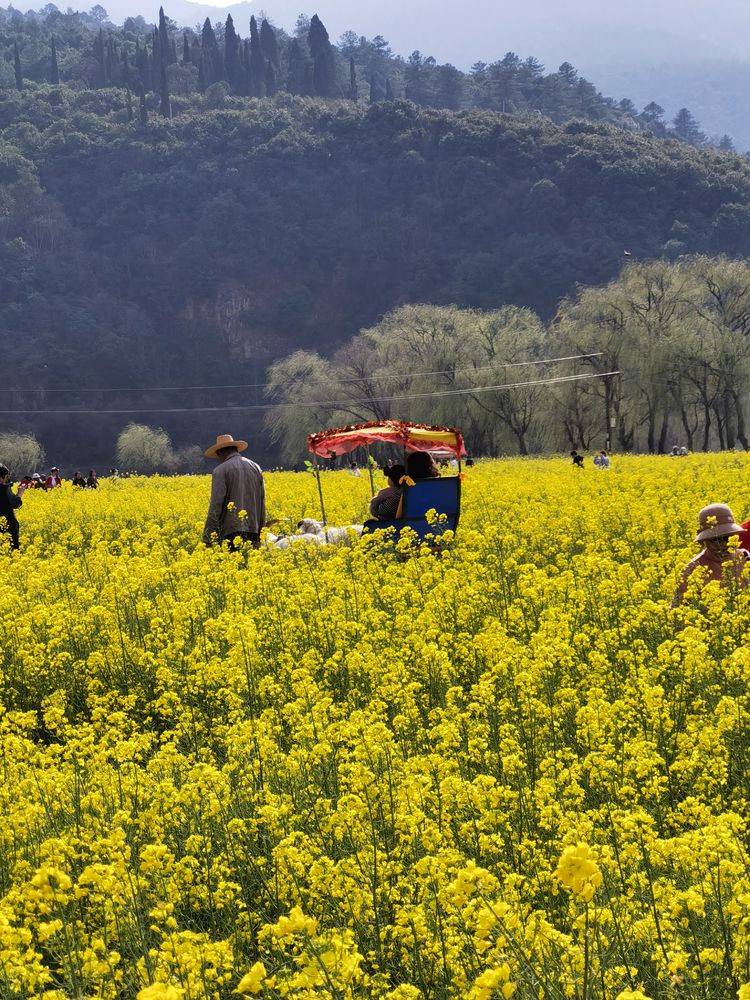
point(160, 991)
point(578, 871)
point(252, 981)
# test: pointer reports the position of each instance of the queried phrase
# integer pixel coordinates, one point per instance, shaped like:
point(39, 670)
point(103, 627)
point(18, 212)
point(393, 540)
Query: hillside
point(192, 250)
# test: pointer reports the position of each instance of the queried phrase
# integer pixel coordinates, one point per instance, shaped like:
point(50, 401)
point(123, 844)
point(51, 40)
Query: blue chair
point(441, 495)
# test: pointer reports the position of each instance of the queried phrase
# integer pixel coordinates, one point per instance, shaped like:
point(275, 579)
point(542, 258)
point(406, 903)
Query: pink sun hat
point(717, 521)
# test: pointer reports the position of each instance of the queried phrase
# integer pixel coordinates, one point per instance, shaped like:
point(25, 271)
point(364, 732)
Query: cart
point(441, 495)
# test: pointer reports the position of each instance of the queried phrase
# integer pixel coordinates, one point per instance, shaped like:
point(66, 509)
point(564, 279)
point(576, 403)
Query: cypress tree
point(257, 62)
point(110, 63)
point(195, 52)
point(269, 44)
point(232, 54)
point(156, 61)
point(142, 65)
point(165, 46)
point(186, 60)
point(207, 35)
point(129, 104)
point(165, 105)
point(213, 61)
point(308, 88)
point(389, 90)
point(17, 66)
point(296, 80)
point(126, 73)
point(142, 111)
point(324, 66)
point(99, 56)
point(173, 52)
point(353, 88)
point(202, 74)
point(271, 81)
point(377, 93)
point(54, 68)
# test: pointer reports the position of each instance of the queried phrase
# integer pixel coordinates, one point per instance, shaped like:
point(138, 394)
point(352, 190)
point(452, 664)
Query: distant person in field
point(384, 505)
point(420, 465)
point(719, 559)
point(577, 459)
point(92, 481)
point(9, 504)
point(53, 479)
point(601, 461)
point(78, 480)
point(237, 488)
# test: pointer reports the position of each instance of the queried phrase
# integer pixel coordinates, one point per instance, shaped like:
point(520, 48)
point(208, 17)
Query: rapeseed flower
point(494, 765)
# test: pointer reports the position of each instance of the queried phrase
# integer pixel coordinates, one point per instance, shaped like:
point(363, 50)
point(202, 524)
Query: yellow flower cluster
point(579, 872)
point(496, 767)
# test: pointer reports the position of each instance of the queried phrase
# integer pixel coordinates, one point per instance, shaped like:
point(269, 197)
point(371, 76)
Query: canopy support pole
point(320, 492)
point(369, 469)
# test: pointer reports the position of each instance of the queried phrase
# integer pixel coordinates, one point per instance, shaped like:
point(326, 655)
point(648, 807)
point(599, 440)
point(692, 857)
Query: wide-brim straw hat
point(717, 521)
point(224, 441)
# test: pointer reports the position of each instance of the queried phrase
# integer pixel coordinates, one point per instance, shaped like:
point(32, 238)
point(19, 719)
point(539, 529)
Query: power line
point(338, 381)
point(327, 403)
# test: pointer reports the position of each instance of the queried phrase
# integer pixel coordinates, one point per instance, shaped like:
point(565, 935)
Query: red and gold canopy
point(414, 437)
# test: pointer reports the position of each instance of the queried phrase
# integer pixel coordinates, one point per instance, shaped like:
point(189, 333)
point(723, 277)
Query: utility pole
point(608, 416)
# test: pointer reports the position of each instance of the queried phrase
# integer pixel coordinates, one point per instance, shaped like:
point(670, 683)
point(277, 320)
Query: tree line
point(677, 335)
point(160, 63)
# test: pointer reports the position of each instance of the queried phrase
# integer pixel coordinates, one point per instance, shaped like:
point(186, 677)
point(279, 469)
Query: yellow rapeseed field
point(505, 769)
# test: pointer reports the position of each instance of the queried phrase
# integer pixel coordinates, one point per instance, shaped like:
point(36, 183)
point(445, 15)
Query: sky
point(552, 29)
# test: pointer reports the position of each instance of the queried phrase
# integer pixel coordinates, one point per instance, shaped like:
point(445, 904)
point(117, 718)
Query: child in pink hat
point(719, 561)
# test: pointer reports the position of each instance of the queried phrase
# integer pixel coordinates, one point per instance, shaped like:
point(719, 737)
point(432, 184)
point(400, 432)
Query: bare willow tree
point(433, 364)
point(677, 333)
point(680, 334)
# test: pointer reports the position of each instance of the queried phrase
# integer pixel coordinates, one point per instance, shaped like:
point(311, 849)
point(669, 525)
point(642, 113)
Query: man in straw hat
point(237, 510)
point(718, 560)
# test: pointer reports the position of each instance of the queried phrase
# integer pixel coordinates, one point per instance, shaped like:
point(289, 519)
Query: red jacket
point(745, 536)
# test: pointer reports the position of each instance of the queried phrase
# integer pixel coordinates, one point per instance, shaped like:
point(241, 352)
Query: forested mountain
point(87, 50)
point(171, 236)
point(674, 52)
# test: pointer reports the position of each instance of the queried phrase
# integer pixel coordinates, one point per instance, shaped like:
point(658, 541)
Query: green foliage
point(144, 449)
point(21, 453)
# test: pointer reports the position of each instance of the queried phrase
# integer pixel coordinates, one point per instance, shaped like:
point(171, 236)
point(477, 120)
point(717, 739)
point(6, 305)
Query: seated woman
point(420, 465)
point(384, 506)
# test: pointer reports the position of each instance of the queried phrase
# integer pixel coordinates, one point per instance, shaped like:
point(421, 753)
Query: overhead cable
point(323, 403)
